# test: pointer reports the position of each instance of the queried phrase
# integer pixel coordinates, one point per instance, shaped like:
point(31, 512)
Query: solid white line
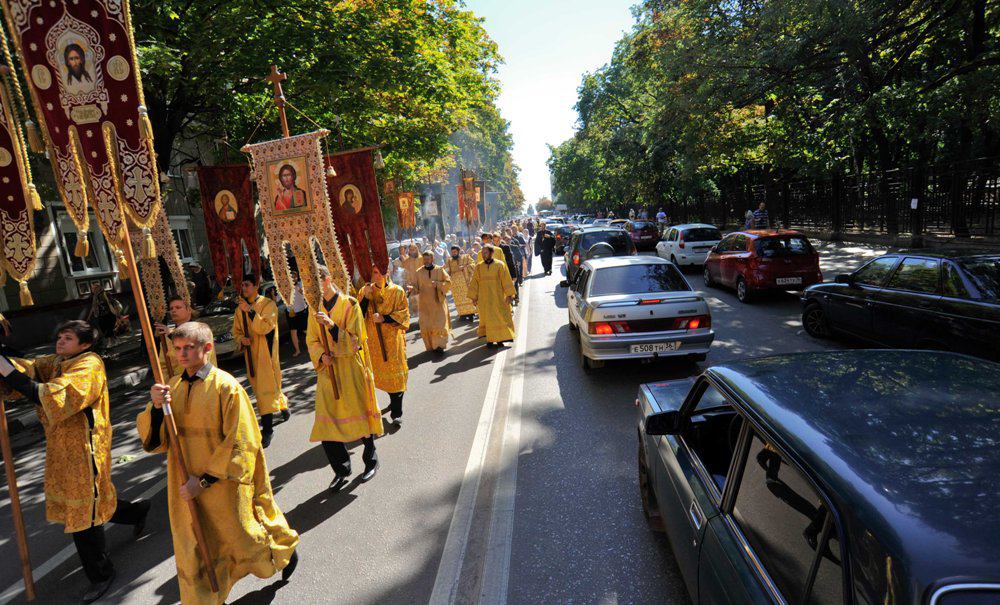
point(60, 557)
point(450, 569)
point(496, 568)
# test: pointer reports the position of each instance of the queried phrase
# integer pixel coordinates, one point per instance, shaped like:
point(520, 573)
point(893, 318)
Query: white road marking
point(496, 568)
point(60, 557)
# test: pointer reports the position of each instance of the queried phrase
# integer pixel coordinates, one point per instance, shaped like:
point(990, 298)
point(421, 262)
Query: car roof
point(622, 261)
point(693, 226)
point(908, 443)
point(758, 233)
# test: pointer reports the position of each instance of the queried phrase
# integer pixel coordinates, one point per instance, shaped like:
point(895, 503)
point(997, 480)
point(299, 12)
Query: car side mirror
point(664, 423)
point(845, 278)
point(564, 283)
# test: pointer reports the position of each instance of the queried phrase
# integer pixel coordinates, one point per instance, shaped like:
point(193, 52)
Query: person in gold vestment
point(459, 267)
point(245, 531)
point(255, 328)
point(70, 393)
point(346, 409)
point(383, 305)
point(431, 286)
point(180, 314)
point(492, 290)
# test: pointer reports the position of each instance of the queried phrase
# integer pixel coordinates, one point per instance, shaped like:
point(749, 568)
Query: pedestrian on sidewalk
point(431, 287)
point(493, 292)
point(545, 244)
point(748, 220)
point(255, 328)
point(180, 313)
point(387, 317)
point(70, 394)
point(761, 220)
point(298, 316)
point(245, 531)
point(337, 343)
point(102, 312)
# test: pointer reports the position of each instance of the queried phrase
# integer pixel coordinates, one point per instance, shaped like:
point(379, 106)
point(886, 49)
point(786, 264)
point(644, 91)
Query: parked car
point(584, 239)
point(948, 300)
point(562, 233)
point(644, 233)
point(636, 307)
point(688, 244)
point(601, 222)
point(863, 476)
point(758, 260)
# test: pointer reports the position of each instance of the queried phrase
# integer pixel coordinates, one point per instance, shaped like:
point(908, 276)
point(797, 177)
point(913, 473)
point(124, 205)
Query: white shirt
point(298, 299)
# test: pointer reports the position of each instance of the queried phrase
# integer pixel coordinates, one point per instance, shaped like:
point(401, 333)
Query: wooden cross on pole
point(275, 78)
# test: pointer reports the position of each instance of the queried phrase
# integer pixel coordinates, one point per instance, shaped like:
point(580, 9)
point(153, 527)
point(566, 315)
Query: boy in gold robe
point(492, 290)
point(245, 531)
point(180, 314)
point(431, 286)
point(255, 328)
point(387, 317)
point(70, 393)
point(346, 409)
point(459, 267)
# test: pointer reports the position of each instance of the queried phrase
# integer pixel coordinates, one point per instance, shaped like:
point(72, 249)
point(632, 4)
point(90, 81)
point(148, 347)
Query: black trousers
point(340, 459)
point(266, 424)
point(396, 405)
point(92, 548)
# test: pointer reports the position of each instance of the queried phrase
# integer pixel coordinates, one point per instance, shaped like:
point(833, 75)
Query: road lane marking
point(66, 553)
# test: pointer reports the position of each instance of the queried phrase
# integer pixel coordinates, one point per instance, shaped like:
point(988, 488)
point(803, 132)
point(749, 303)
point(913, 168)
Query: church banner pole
point(15, 506)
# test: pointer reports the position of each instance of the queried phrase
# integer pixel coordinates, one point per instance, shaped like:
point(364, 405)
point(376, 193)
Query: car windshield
point(788, 245)
point(619, 240)
point(638, 279)
point(985, 272)
point(641, 224)
point(702, 234)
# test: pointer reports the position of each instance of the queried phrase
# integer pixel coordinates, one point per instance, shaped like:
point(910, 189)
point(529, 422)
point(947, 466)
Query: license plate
point(658, 347)
point(788, 281)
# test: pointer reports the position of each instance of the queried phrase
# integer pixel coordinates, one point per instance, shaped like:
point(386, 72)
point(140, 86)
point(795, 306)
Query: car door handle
point(696, 516)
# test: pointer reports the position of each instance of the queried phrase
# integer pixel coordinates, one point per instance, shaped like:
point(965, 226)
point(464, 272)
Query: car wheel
point(586, 363)
point(650, 509)
point(742, 290)
point(709, 282)
point(815, 322)
point(569, 320)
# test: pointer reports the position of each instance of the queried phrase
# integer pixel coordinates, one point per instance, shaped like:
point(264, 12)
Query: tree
point(544, 203)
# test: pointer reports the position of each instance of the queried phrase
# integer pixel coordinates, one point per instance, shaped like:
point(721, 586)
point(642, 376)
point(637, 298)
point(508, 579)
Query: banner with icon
point(227, 203)
point(357, 210)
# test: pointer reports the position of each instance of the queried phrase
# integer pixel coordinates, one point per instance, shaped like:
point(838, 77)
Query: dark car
point(562, 233)
point(948, 300)
point(645, 234)
point(864, 476)
point(766, 259)
point(584, 239)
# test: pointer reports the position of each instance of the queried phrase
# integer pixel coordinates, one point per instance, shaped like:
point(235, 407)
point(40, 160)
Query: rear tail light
point(681, 244)
point(608, 328)
point(650, 301)
point(693, 323)
point(576, 257)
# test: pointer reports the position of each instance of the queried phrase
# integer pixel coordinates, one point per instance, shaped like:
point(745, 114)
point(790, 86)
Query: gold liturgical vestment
point(78, 489)
point(491, 285)
point(266, 375)
point(432, 288)
point(410, 266)
point(389, 302)
point(355, 413)
point(461, 274)
point(245, 530)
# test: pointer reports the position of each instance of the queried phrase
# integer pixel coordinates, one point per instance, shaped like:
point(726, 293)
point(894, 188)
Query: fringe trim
point(82, 245)
point(26, 299)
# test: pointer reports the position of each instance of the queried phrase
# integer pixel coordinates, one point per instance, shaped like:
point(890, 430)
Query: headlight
point(224, 337)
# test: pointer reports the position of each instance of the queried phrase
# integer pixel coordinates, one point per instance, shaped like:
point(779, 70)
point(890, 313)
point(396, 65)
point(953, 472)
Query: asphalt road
point(512, 480)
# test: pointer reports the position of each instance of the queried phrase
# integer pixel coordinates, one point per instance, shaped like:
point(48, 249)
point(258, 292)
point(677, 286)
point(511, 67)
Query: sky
point(547, 46)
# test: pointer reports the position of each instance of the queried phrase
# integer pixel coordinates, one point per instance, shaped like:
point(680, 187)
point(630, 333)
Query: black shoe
point(97, 589)
point(265, 439)
point(339, 481)
point(285, 415)
point(397, 421)
point(289, 569)
point(140, 525)
point(369, 473)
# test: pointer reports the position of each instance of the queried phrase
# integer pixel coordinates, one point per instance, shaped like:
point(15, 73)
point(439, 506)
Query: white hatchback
point(688, 244)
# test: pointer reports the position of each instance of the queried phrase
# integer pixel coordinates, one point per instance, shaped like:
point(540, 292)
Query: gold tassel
point(36, 200)
point(122, 266)
point(148, 245)
point(222, 294)
point(82, 246)
point(26, 300)
point(145, 126)
point(34, 139)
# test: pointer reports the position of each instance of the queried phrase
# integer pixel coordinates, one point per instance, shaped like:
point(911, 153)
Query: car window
point(673, 235)
point(916, 275)
point(875, 272)
point(638, 279)
point(985, 274)
point(702, 234)
point(581, 281)
point(619, 240)
point(789, 528)
point(726, 244)
point(952, 282)
point(740, 243)
point(789, 245)
point(712, 433)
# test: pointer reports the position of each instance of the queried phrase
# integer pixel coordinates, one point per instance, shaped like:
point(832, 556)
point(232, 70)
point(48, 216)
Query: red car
point(757, 260)
point(645, 234)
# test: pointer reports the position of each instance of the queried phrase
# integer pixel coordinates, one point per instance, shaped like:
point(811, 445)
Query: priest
point(387, 317)
point(180, 313)
point(431, 287)
point(459, 267)
point(492, 290)
point(245, 531)
point(255, 328)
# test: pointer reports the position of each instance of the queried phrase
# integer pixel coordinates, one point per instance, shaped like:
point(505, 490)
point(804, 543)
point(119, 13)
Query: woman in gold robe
point(346, 409)
point(387, 317)
point(492, 290)
point(245, 531)
point(255, 328)
point(431, 286)
point(459, 267)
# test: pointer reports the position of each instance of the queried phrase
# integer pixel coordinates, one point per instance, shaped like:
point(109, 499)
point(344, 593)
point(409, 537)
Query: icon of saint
point(290, 196)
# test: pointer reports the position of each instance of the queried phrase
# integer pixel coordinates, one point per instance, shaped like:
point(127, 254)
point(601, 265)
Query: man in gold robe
point(70, 393)
point(431, 287)
point(411, 264)
point(245, 531)
point(459, 267)
point(255, 328)
point(485, 238)
point(387, 317)
point(180, 314)
point(492, 290)
point(346, 409)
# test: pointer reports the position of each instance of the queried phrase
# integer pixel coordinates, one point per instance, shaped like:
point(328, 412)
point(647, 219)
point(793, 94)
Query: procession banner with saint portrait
point(292, 192)
point(79, 59)
point(227, 202)
point(406, 210)
point(357, 211)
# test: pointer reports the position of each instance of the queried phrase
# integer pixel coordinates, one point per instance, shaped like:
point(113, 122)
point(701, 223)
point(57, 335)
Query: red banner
point(468, 200)
point(357, 212)
point(18, 249)
point(227, 200)
point(80, 64)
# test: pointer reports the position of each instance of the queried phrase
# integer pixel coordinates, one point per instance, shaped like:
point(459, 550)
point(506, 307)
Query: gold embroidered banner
point(17, 198)
point(152, 276)
point(295, 205)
